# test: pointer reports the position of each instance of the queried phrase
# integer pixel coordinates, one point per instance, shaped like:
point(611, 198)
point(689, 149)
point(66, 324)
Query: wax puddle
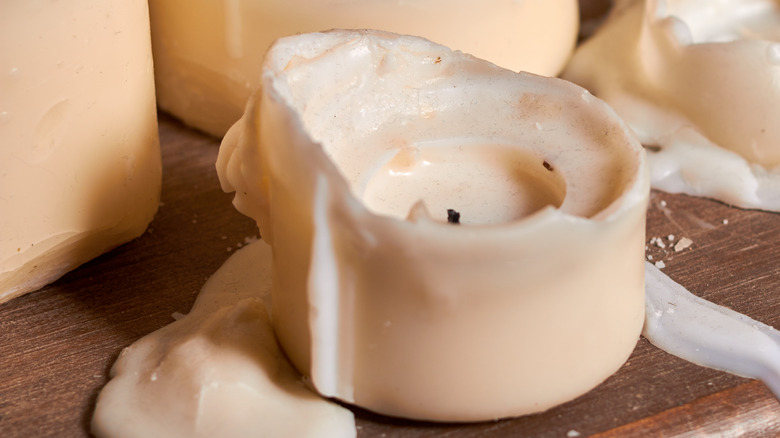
point(217, 371)
point(709, 335)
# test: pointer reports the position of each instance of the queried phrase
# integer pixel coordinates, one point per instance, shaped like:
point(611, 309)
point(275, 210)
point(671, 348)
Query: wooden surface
point(57, 345)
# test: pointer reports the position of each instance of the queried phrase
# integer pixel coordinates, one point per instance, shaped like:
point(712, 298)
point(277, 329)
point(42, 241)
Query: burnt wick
point(453, 216)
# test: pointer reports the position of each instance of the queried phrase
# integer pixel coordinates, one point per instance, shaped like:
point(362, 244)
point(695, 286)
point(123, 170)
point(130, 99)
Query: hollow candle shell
point(375, 295)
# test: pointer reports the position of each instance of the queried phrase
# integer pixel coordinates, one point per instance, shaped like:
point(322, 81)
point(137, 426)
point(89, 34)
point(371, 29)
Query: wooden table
point(57, 345)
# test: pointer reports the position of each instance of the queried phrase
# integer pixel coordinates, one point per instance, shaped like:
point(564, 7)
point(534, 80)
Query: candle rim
point(635, 190)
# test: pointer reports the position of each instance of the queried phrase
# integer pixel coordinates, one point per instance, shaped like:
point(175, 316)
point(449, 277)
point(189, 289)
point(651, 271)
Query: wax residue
point(709, 335)
point(217, 372)
point(697, 82)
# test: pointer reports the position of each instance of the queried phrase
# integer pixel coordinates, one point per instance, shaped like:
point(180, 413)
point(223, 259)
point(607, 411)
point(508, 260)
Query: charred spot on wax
point(653, 148)
point(547, 166)
point(438, 60)
point(453, 216)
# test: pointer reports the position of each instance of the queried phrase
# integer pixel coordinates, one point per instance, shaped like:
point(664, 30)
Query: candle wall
point(398, 311)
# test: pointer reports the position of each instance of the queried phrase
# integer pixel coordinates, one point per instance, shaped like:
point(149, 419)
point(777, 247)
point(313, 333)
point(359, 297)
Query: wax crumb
point(671, 237)
point(229, 249)
point(573, 434)
point(249, 239)
point(660, 264)
point(177, 315)
point(649, 257)
point(239, 245)
point(657, 241)
point(223, 237)
point(725, 221)
point(682, 244)
point(663, 203)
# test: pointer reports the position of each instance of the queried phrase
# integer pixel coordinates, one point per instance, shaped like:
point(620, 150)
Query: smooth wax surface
point(704, 333)
point(80, 168)
point(699, 83)
point(375, 295)
point(208, 53)
point(217, 372)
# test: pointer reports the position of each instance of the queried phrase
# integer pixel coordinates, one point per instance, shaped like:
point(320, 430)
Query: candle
point(350, 157)
point(697, 81)
point(208, 54)
point(80, 168)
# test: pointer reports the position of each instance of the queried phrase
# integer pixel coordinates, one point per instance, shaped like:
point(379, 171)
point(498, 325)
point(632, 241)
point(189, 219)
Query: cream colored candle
point(208, 53)
point(349, 158)
point(79, 154)
point(699, 81)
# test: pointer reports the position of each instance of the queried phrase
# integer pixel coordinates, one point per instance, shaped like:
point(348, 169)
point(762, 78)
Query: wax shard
point(345, 158)
point(208, 54)
point(698, 81)
point(80, 169)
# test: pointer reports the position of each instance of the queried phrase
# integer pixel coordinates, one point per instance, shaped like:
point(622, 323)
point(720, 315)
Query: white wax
point(704, 333)
point(698, 82)
point(217, 372)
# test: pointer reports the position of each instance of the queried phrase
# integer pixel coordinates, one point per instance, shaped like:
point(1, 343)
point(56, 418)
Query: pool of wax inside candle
point(486, 183)
point(722, 22)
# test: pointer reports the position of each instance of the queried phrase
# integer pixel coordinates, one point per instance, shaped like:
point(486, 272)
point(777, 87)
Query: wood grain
point(57, 344)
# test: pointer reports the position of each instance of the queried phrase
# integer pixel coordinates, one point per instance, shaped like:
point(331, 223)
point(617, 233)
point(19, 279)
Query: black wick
point(453, 216)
